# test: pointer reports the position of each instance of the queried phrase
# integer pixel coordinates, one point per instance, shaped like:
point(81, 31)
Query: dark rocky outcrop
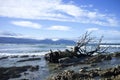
point(106, 74)
point(63, 56)
point(3, 57)
point(14, 56)
point(54, 57)
point(64, 60)
point(24, 56)
point(98, 58)
point(110, 72)
point(30, 59)
point(92, 60)
point(116, 54)
point(14, 72)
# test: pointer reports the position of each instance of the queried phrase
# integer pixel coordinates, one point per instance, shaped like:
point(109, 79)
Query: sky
point(60, 19)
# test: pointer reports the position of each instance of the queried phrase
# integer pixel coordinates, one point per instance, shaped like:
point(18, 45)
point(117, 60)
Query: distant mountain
point(45, 41)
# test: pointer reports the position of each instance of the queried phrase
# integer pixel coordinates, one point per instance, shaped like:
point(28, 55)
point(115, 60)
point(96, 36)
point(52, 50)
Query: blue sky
point(57, 19)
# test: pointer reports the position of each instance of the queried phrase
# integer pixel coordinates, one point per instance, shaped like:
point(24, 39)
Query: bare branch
point(87, 39)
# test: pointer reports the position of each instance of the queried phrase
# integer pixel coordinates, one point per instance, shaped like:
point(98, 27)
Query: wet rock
point(82, 70)
point(24, 56)
point(30, 59)
point(25, 73)
point(34, 68)
point(54, 57)
point(98, 69)
point(117, 54)
point(24, 79)
point(93, 65)
point(33, 56)
point(14, 56)
point(65, 75)
point(12, 72)
point(64, 60)
point(3, 57)
point(110, 72)
point(98, 58)
point(93, 74)
point(108, 57)
point(95, 59)
point(107, 74)
point(69, 75)
point(116, 77)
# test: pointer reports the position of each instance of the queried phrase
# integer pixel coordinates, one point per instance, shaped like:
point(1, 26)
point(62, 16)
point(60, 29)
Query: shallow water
point(39, 50)
point(28, 49)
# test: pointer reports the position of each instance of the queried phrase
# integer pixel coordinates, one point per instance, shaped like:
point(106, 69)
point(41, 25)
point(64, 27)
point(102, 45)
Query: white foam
point(12, 54)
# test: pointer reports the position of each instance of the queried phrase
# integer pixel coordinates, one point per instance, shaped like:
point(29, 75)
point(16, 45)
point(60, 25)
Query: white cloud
point(54, 10)
point(26, 24)
point(9, 34)
point(92, 29)
point(18, 35)
point(110, 35)
point(114, 34)
point(61, 28)
point(84, 6)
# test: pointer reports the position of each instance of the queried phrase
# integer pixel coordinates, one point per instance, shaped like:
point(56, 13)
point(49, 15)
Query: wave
point(10, 54)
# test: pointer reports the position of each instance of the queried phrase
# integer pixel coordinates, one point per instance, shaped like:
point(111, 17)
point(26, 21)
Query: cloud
point(54, 10)
point(111, 34)
point(108, 34)
point(8, 34)
point(5, 34)
point(84, 6)
point(26, 24)
point(92, 29)
point(18, 35)
point(61, 28)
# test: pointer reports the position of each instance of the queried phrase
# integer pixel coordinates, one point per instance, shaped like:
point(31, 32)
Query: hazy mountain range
point(44, 41)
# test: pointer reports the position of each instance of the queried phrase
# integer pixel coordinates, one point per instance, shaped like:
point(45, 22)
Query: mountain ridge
point(26, 40)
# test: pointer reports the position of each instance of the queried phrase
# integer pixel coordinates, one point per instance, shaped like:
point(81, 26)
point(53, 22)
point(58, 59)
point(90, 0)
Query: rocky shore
point(93, 72)
point(71, 62)
point(30, 59)
point(107, 74)
point(97, 67)
point(15, 72)
point(15, 67)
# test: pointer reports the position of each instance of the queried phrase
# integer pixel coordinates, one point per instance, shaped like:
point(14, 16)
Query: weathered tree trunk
point(79, 50)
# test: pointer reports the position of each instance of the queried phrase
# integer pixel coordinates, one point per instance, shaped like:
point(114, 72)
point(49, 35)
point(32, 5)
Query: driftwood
point(81, 49)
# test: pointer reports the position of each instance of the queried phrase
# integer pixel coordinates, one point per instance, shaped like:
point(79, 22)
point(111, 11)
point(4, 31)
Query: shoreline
point(52, 69)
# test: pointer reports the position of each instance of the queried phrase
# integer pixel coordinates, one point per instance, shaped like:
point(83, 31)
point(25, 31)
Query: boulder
point(14, 72)
point(82, 70)
point(98, 58)
point(108, 57)
point(3, 57)
point(64, 60)
point(117, 54)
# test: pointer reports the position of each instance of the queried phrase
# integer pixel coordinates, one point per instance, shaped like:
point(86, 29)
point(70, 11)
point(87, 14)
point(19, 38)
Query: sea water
point(36, 49)
point(28, 49)
point(40, 48)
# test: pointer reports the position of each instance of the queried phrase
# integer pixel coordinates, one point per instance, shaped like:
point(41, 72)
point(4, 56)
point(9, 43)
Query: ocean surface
point(45, 70)
point(41, 49)
point(20, 49)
